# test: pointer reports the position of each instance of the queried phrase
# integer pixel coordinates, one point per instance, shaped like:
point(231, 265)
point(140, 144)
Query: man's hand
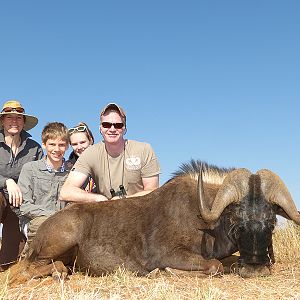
point(100, 198)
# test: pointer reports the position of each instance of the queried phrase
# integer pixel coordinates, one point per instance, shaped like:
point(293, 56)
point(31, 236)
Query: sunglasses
point(80, 128)
point(13, 109)
point(109, 125)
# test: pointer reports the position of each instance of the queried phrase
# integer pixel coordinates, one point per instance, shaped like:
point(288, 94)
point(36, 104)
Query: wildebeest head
point(255, 199)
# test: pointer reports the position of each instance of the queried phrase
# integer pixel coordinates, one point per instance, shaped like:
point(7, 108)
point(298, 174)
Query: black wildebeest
point(186, 224)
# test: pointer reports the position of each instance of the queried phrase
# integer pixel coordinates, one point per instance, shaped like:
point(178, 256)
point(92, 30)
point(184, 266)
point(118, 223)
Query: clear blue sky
point(211, 80)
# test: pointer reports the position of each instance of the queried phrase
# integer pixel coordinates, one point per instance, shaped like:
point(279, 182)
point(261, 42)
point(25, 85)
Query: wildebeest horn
point(233, 189)
point(277, 193)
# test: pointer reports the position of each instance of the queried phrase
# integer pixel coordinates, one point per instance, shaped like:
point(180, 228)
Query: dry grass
point(284, 283)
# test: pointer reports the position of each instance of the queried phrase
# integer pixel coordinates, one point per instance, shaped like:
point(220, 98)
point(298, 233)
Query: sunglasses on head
point(109, 125)
point(13, 109)
point(80, 128)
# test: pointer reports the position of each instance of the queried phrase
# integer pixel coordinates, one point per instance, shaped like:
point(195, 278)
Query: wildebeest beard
point(252, 229)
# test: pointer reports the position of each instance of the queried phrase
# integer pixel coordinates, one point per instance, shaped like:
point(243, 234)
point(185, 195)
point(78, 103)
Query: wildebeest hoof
point(215, 268)
point(171, 271)
point(248, 271)
point(154, 273)
point(57, 276)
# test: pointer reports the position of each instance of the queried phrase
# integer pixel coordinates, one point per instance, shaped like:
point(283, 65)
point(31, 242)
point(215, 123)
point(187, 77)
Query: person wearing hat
point(119, 167)
point(16, 148)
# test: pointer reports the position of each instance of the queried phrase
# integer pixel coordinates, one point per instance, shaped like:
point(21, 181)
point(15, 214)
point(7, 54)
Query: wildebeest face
point(255, 223)
point(254, 239)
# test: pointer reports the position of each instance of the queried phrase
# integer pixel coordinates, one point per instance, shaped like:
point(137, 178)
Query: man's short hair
point(114, 107)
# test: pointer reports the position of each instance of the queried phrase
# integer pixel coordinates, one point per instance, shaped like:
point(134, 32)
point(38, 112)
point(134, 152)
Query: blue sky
point(211, 80)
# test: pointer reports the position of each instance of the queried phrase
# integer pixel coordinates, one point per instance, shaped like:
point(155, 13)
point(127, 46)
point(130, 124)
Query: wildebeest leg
point(54, 266)
point(176, 272)
point(38, 261)
point(189, 261)
point(24, 271)
point(230, 263)
point(57, 269)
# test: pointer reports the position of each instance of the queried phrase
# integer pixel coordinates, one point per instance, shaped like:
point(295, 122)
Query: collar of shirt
point(51, 170)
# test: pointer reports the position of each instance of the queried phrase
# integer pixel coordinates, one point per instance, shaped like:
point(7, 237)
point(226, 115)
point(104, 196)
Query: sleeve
point(83, 164)
point(25, 184)
point(40, 153)
point(4, 158)
point(3, 182)
point(150, 164)
point(29, 208)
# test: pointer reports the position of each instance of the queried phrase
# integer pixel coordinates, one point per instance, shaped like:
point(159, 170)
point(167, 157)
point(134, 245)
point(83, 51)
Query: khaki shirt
point(136, 162)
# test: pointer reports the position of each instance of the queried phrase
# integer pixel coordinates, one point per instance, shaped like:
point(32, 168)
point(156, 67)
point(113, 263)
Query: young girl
point(80, 138)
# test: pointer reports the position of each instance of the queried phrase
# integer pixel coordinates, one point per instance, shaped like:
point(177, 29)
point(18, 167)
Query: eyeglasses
point(13, 109)
point(80, 128)
point(109, 125)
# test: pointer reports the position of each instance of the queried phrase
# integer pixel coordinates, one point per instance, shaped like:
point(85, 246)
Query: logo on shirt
point(133, 163)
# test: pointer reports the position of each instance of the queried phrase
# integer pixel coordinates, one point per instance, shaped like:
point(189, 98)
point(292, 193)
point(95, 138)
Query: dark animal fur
point(161, 229)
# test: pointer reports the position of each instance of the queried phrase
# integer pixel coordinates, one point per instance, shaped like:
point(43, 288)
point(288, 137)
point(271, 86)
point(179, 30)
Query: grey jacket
point(10, 165)
point(40, 189)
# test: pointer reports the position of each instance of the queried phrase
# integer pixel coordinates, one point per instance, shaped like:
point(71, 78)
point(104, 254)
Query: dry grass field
point(284, 283)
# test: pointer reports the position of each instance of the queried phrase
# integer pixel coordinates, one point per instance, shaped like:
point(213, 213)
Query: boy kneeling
point(40, 181)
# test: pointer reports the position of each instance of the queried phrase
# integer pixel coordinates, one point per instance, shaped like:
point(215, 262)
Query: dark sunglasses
point(80, 128)
point(13, 109)
point(109, 125)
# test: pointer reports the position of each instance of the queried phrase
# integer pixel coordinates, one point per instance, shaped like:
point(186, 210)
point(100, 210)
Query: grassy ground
point(284, 283)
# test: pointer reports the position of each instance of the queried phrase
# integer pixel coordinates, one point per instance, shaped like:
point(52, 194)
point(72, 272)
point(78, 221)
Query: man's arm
point(71, 190)
point(150, 184)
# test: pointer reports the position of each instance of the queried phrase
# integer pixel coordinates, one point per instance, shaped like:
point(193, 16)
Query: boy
point(40, 181)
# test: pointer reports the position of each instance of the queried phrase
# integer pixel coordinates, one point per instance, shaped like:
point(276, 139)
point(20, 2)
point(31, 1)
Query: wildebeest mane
point(211, 173)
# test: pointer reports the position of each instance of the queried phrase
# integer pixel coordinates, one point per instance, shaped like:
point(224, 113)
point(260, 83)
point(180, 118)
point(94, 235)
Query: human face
point(112, 135)
point(13, 123)
point(55, 150)
point(79, 142)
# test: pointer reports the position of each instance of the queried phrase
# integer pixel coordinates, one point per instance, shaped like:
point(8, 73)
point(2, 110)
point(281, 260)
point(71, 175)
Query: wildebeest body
point(157, 231)
point(189, 223)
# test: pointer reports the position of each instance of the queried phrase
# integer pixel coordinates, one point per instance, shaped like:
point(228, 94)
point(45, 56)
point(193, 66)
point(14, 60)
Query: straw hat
point(15, 107)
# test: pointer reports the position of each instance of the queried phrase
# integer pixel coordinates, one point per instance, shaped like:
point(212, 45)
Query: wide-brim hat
point(15, 107)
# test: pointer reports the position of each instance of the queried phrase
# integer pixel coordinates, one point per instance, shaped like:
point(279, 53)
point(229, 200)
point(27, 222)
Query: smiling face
point(79, 142)
point(13, 123)
point(55, 150)
point(112, 135)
